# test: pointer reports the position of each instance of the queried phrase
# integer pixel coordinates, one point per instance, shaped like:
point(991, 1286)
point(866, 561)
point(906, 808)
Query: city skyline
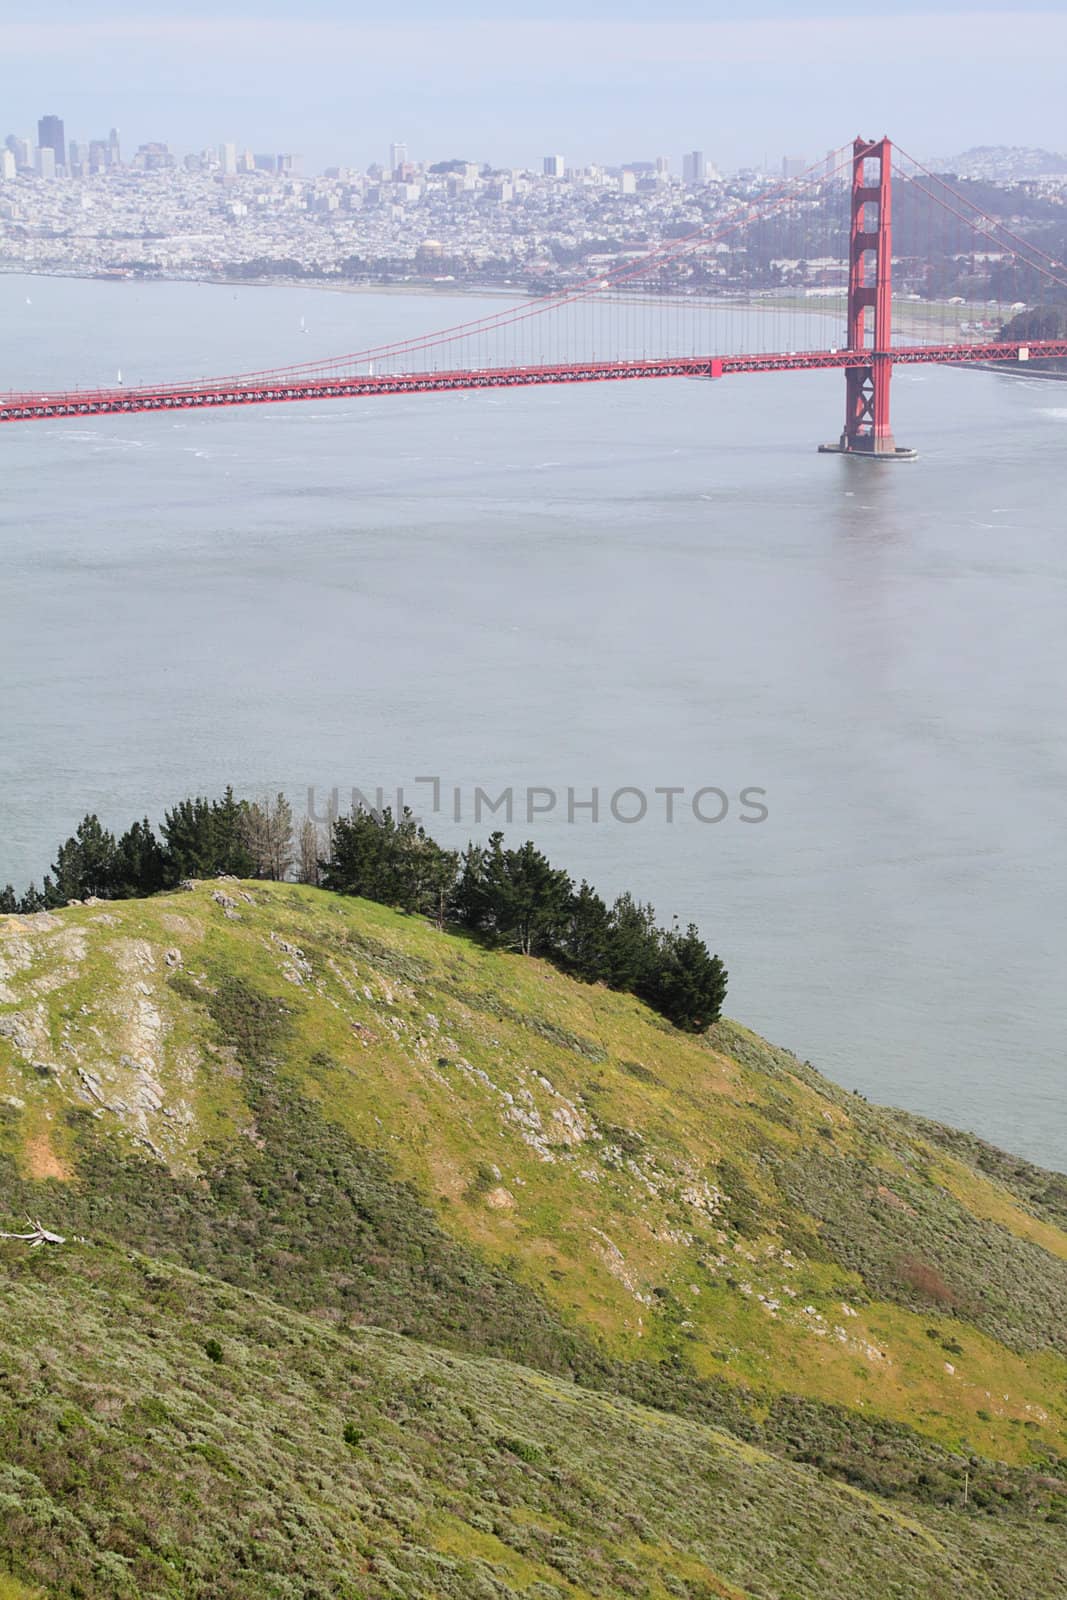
point(338, 85)
point(55, 152)
point(77, 155)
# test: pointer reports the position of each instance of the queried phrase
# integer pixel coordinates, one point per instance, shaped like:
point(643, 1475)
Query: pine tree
point(189, 839)
point(203, 838)
point(527, 896)
point(139, 866)
point(84, 864)
point(356, 862)
point(690, 987)
point(394, 861)
point(633, 946)
point(470, 901)
point(585, 940)
point(230, 851)
point(420, 875)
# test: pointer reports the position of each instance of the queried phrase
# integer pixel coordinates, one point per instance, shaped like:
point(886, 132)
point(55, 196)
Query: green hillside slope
point(374, 1123)
point(163, 1435)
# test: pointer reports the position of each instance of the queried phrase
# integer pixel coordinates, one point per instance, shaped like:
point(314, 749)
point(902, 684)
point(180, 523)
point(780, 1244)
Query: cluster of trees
point(517, 899)
point(1040, 322)
point(514, 898)
point(199, 838)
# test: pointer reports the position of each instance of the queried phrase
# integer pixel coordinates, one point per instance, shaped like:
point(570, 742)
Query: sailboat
point(304, 327)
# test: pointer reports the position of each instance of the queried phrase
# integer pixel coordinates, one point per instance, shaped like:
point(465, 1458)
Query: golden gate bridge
point(555, 338)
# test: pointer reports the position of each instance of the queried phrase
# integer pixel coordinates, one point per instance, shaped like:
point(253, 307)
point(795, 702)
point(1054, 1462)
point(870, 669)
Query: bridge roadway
point(280, 388)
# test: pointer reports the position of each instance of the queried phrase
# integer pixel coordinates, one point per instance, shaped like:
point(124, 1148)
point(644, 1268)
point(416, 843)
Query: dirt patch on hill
point(42, 1161)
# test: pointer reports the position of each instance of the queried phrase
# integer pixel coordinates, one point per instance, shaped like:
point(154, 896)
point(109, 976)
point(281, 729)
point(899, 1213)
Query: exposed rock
point(615, 1261)
point(298, 968)
point(569, 1126)
point(28, 1031)
point(92, 1085)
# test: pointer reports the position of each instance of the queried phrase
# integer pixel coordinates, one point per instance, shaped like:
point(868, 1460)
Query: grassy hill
point(286, 1121)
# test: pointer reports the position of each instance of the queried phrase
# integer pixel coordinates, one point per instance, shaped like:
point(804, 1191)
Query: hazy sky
point(513, 80)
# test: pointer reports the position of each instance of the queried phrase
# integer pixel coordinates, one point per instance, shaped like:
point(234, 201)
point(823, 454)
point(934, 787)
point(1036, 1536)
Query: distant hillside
point(1005, 163)
point(261, 1104)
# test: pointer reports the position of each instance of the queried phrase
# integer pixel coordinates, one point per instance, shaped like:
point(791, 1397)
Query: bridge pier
point(868, 431)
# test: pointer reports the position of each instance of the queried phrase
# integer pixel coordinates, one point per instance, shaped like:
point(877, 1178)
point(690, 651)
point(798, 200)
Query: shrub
point(927, 1281)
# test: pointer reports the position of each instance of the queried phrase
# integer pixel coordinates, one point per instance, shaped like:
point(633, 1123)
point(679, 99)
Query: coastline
point(319, 285)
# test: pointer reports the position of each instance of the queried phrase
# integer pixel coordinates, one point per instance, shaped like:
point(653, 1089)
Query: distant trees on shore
point(1040, 322)
point(512, 898)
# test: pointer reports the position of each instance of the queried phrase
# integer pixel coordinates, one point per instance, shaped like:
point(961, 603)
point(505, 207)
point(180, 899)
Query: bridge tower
point(868, 430)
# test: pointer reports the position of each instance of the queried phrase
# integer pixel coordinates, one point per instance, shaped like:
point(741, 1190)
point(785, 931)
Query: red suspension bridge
point(651, 304)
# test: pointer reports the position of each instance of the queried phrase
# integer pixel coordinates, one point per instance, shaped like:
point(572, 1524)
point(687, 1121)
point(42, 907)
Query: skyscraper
point(398, 155)
point(553, 166)
point(114, 151)
point(694, 167)
point(228, 159)
point(21, 149)
point(50, 137)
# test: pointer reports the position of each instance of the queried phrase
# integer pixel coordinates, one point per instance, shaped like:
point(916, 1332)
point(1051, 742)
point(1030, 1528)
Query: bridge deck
point(279, 389)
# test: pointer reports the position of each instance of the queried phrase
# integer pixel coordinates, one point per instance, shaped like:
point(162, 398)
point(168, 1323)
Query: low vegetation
point(165, 1435)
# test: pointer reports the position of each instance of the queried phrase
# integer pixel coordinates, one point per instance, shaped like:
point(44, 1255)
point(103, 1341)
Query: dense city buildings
point(226, 211)
point(231, 211)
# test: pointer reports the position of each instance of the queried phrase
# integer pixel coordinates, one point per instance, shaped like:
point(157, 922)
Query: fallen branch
point(38, 1236)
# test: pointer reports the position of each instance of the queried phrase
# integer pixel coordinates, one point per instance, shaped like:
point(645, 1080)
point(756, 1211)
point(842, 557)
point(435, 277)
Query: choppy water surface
point(644, 585)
